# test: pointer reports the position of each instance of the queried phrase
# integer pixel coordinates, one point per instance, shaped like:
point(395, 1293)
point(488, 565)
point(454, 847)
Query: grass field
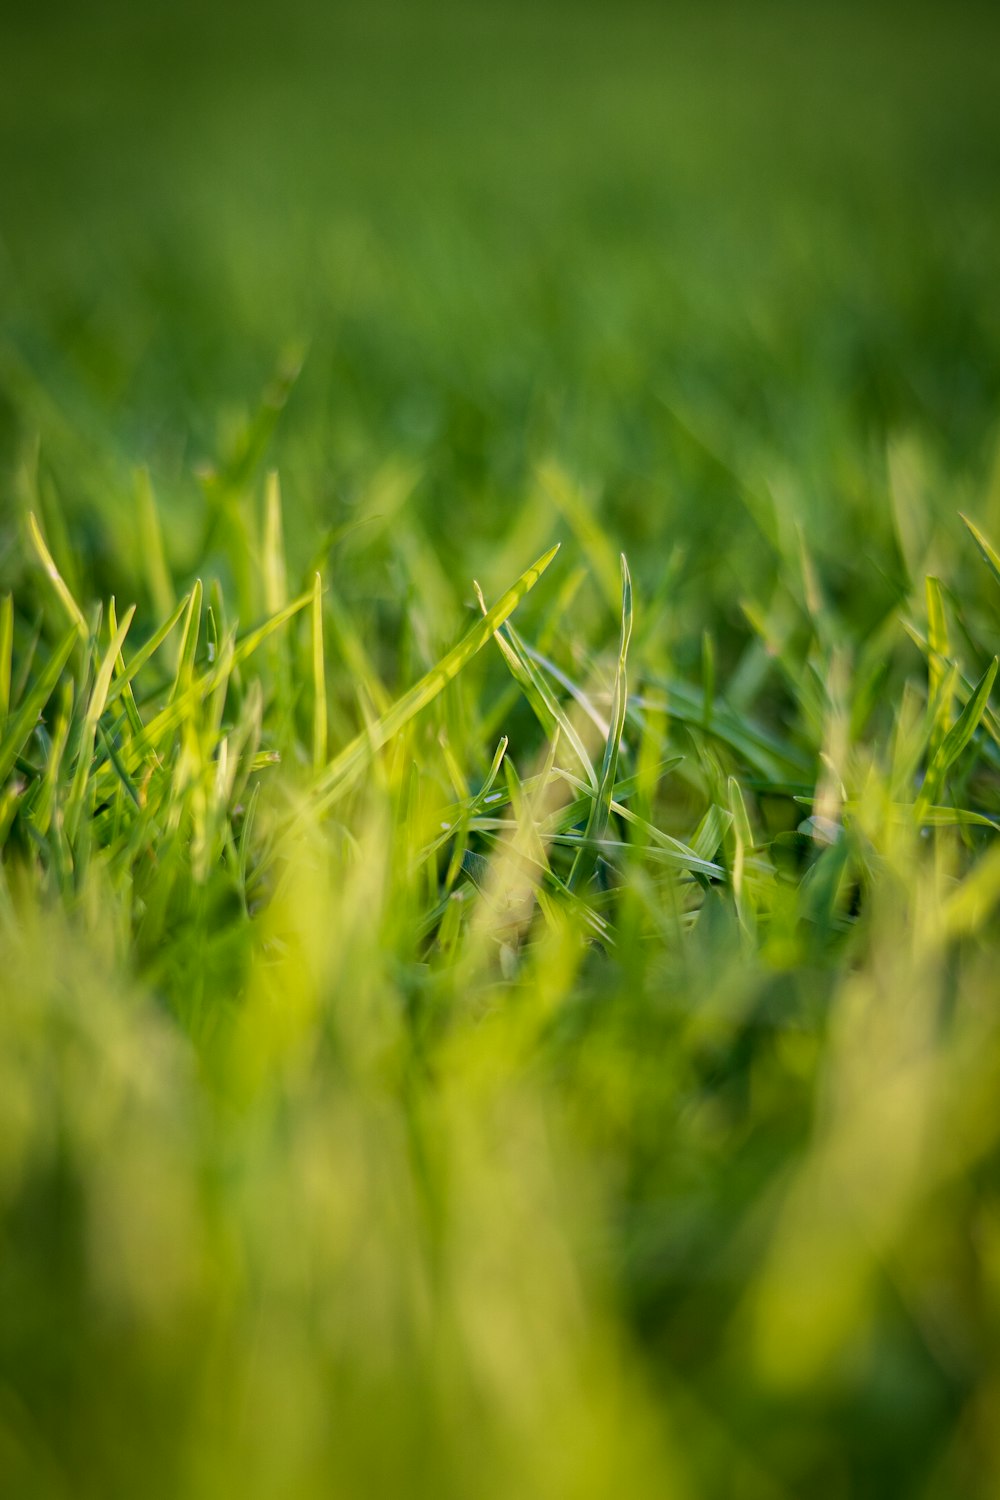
point(478, 1020)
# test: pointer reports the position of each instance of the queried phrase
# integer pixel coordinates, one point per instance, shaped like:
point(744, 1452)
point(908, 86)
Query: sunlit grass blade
point(52, 573)
point(352, 759)
point(6, 653)
point(24, 718)
point(319, 677)
point(940, 678)
point(989, 553)
point(543, 701)
point(189, 643)
point(958, 735)
point(246, 645)
point(275, 576)
point(95, 708)
point(127, 695)
point(127, 673)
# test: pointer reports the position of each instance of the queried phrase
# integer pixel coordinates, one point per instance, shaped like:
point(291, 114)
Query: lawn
point(499, 754)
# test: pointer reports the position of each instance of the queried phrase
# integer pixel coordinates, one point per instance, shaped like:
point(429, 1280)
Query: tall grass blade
point(25, 716)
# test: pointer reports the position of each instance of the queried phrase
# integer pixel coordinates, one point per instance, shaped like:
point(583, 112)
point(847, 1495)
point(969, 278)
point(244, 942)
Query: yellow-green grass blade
point(95, 708)
point(989, 553)
point(127, 695)
point(940, 678)
point(275, 576)
point(346, 766)
point(189, 642)
point(958, 736)
point(6, 653)
point(126, 673)
point(543, 702)
point(52, 573)
point(319, 677)
point(154, 557)
point(24, 718)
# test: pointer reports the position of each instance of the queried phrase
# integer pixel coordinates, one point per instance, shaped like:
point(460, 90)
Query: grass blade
point(319, 677)
point(6, 653)
point(23, 721)
point(353, 758)
point(600, 812)
point(95, 708)
point(56, 579)
point(989, 553)
point(958, 735)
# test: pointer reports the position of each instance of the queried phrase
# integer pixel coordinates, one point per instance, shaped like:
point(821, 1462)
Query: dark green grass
point(479, 1019)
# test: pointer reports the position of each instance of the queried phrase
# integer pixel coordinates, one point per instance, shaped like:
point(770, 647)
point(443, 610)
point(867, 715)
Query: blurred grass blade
point(275, 578)
point(940, 677)
point(319, 677)
point(989, 553)
point(56, 579)
point(154, 557)
point(6, 654)
point(189, 643)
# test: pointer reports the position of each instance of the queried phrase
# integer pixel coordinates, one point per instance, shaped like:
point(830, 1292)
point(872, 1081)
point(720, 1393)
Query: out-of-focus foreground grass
point(462, 1058)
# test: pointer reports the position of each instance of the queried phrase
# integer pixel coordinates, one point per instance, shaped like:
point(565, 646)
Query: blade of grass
point(6, 653)
point(154, 557)
point(346, 766)
point(275, 577)
point(128, 697)
point(126, 674)
point(56, 579)
point(543, 702)
point(940, 680)
point(958, 736)
point(95, 708)
point(319, 678)
point(989, 553)
point(25, 717)
point(600, 811)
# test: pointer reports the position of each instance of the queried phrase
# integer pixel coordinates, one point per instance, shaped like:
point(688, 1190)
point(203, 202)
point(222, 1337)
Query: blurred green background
point(731, 271)
point(502, 233)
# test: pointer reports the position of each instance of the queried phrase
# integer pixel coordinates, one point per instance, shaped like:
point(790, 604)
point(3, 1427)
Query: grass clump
point(534, 1038)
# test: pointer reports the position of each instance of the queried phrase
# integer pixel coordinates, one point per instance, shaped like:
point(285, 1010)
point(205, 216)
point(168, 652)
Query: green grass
point(499, 752)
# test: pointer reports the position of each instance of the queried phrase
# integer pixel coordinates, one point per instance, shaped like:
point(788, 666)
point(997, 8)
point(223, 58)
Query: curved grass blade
point(351, 761)
point(958, 736)
point(542, 700)
point(989, 553)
